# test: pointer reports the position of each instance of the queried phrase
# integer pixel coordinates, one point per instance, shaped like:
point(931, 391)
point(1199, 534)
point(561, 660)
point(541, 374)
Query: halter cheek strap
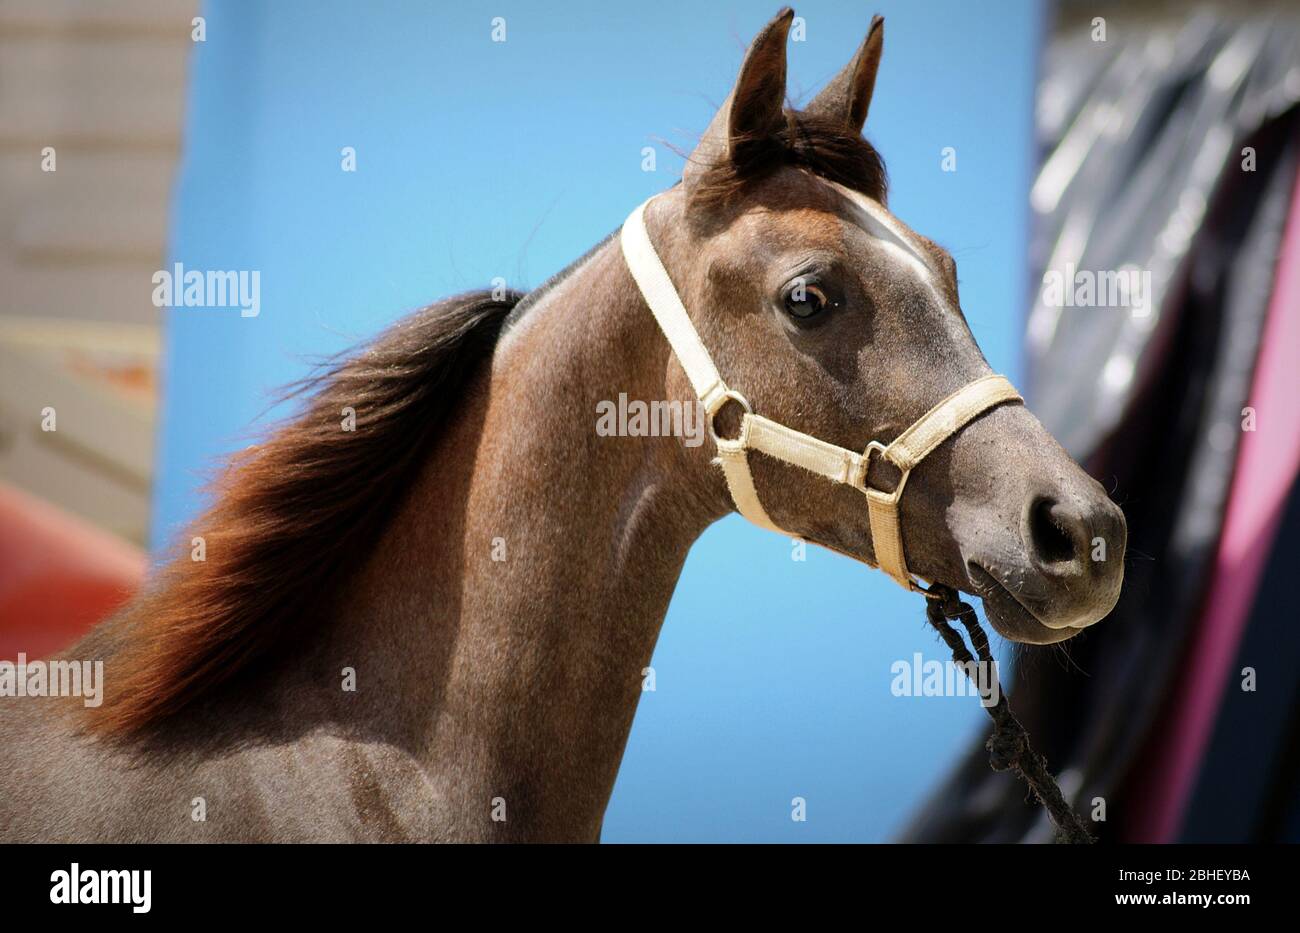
point(837, 464)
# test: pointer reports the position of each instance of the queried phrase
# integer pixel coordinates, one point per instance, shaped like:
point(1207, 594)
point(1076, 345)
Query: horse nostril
point(1049, 532)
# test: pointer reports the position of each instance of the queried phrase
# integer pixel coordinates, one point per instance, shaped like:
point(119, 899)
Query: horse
point(432, 626)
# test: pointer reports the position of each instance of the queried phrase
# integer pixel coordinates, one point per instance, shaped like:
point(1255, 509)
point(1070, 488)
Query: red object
point(1267, 465)
point(59, 575)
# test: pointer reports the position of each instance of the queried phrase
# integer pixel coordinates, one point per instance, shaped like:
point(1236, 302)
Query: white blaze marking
point(880, 224)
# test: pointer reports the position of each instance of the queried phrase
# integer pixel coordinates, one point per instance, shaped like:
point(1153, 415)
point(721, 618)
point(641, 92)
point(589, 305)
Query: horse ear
point(847, 98)
point(754, 108)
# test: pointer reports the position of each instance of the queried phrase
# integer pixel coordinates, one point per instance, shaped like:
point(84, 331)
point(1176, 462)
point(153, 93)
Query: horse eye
point(804, 300)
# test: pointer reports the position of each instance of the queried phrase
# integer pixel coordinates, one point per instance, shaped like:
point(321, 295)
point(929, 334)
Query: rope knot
point(1005, 749)
point(952, 606)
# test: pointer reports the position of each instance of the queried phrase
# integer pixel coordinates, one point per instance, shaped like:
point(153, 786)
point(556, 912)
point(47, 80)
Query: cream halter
point(837, 464)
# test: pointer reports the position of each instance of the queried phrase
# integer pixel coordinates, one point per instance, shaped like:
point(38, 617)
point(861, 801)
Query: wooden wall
point(103, 83)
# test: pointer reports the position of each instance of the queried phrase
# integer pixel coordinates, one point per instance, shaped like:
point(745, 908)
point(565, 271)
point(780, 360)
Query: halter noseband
point(837, 464)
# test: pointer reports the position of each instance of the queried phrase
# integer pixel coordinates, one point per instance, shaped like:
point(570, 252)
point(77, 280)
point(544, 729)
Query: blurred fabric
point(59, 575)
point(1171, 149)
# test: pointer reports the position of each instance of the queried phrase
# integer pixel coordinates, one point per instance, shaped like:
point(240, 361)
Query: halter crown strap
point(838, 464)
point(660, 294)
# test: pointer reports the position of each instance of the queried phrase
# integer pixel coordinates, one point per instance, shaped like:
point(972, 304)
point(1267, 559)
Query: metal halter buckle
point(889, 498)
point(721, 403)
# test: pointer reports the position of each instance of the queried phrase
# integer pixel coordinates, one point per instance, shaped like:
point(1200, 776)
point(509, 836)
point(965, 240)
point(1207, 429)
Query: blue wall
point(479, 159)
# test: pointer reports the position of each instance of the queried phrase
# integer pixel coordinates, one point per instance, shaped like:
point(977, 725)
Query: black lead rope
point(1008, 746)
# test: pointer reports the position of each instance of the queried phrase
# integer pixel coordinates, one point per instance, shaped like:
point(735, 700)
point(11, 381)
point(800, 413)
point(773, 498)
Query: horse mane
point(286, 512)
point(809, 141)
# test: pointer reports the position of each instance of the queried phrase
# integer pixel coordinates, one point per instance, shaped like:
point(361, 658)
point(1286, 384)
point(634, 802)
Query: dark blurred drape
point(1142, 168)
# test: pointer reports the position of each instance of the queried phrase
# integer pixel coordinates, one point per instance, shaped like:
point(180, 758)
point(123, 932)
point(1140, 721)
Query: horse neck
point(521, 589)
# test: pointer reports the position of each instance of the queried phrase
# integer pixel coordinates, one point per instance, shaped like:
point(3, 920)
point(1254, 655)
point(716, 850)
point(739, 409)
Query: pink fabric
point(1267, 466)
point(59, 575)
